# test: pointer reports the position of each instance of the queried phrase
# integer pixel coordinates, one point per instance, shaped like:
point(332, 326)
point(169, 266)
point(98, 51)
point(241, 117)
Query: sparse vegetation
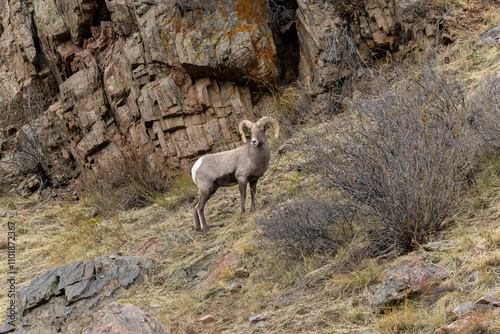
point(25, 112)
point(128, 180)
point(402, 161)
point(392, 172)
point(301, 227)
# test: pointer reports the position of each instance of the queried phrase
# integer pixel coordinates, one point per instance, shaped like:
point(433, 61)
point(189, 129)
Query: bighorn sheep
point(245, 164)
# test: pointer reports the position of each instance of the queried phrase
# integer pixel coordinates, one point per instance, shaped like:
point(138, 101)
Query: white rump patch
point(195, 169)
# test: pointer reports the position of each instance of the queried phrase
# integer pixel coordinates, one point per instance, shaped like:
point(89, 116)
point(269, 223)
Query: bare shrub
point(126, 181)
point(281, 11)
point(402, 160)
point(305, 226)
point(25, 111)
point(485, 112)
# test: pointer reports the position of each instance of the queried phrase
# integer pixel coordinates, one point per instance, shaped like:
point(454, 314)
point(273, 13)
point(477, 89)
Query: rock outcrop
point(169, 80)
point(152, 77)
point(336, 39)
point(74, 291)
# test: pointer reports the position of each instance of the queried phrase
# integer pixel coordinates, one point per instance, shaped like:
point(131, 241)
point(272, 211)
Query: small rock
point(490, 38)
point(213, 293)
point(225, 267)
point(439, 246)
point(258, 318)
point(479, 249)
point(33, 183)
point(462, 309)
point(489, 300)
point(318, 271)
point(11, 214)
point(201, 273)
point(241, 272)
point(472, 277)
point(221, 294)
point(115, 318)
point(235, 287)
point(469, 317)
point(207, 319)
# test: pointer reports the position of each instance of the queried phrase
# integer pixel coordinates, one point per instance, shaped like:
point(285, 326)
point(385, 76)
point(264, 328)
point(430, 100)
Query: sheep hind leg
point(253, 192)
point(200, 207)
point(196, 216)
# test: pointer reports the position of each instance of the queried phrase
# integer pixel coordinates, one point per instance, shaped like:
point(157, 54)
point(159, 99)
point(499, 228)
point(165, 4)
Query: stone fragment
point(411, 274)
point(257, 318)
point(235, 287)
point(439, 246)
point(224, 269)
point(207, 319)
point(490, 39)
point(126, 319)
point(318, 271)
point(471, 318)
point(10, 131)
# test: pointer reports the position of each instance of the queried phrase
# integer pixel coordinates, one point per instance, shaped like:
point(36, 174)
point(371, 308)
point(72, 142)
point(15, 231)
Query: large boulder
point(411, 274)
point(74, 291)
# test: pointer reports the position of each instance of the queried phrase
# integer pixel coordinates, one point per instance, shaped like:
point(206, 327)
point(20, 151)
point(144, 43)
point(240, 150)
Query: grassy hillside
point(281, 286)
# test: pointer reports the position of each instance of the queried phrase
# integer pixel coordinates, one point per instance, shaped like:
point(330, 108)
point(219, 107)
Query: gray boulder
point(63, 299)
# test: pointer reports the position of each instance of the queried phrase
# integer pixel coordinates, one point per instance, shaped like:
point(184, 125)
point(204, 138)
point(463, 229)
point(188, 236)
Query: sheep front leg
point(253, 192)
point(242, 184)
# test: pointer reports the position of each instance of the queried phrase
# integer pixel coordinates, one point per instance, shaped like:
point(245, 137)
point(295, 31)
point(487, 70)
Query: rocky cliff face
point(171, 79)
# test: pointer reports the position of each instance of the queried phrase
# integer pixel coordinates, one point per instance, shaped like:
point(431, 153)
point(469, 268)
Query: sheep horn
point(245, 123)
point(268, 120)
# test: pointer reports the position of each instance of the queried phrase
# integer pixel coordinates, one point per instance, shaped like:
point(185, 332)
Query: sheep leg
point(196, 217)
point(243, 194)
point(253, 192)
point(204, 197)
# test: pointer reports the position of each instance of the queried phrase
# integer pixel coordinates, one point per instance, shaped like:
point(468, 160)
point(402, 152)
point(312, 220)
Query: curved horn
point(245, 123)
point(268, 120)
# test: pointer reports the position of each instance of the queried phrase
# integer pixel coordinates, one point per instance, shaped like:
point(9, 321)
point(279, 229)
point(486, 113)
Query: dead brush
point(127, 181)
point(302, 227)
point(401, 161)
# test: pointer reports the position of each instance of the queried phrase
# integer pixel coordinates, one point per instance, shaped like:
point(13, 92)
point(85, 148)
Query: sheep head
point(258, 130)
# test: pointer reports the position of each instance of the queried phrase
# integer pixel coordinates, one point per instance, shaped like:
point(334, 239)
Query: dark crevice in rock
point(285, 37)
point(101, 14)
point(42, 63)
point(287, 44)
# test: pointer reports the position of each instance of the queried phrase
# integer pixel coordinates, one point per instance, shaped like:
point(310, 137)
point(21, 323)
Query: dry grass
point(334, 301)
point(327, 303)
